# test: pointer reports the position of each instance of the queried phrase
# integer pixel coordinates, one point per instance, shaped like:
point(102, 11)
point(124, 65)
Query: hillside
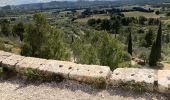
point(84, 4)
point(64, 4)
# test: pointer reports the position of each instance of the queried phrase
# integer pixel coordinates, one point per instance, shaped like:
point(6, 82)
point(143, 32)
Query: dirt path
point(16, 89)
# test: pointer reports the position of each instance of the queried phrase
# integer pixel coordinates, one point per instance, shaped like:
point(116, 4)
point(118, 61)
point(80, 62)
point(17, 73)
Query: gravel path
point(16, 89)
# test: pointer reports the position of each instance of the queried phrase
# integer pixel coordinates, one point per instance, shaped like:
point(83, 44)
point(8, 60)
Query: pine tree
point(130, 43)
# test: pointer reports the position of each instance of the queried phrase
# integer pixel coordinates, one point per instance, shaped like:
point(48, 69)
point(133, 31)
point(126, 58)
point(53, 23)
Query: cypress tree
point(130, 43)
point(152, 58)
point(158, 42)
point(156, 48)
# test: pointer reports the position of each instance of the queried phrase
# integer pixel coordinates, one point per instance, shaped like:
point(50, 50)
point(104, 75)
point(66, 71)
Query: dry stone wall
point(149, 79)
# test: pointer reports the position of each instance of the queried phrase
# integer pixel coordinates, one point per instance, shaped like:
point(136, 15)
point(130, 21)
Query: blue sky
point(16, 2)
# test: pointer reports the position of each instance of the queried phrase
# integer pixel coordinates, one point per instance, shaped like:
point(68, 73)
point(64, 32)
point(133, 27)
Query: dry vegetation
point(84, 20)
point(138, 14)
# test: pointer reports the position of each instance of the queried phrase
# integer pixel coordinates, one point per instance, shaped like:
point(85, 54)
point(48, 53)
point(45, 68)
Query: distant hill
point(84, 4)
point(145, 1)
point(64, 4)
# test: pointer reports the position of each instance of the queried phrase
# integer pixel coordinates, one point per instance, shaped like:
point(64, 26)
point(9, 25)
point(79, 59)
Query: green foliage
point(43, 41)
point(149, 37)
point(159, 42)
point(152, 21)
point(18, 30)
point(115, 26)
point(167, 39)
point(7, 72)
point(111, 53)
point(130, 42)
point(105, 24)
point(5, 27)
point(55, 47)
point(84, 54)
point(142, 20)
point(155, 55)
point(144, 56)
point(26, 50)
point(91, 22)
point(157, 12)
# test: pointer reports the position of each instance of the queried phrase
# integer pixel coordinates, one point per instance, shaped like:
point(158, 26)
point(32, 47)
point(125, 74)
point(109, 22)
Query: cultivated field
point(145, 14)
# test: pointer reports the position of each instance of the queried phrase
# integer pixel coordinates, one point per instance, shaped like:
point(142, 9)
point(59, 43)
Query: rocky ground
point(17, 89)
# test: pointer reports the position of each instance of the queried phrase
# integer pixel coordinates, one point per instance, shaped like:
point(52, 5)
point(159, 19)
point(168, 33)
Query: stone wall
point(148, 79)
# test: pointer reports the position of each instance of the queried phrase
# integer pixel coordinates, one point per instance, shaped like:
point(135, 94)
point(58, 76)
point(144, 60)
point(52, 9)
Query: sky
point(16, 2)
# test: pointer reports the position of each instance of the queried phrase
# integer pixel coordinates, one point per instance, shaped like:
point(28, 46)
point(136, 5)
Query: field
point(137, 14)
point(144, 6)
point(84, 20)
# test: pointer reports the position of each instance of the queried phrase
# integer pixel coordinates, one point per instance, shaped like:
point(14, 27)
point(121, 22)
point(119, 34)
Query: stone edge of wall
point(149, 79)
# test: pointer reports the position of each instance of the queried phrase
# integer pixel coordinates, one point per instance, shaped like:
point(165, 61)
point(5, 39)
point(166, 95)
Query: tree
point(155, 55)
point(149, 37)
point(77, 50)
point(130, 42)
point(91, 22)
point(105, 25)
point(115, 26)
point(151, 21)
point(87, 12)
point(157, 12)
point(111, 52)
point(158, 41)
point(142, 20)
point(55, 46)
point(44, 41)
point(5, 27)
point(19, 30)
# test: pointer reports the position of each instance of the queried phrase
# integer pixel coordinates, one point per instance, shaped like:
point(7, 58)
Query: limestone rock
point(11, 61)
point(133, 76)
point(4, 55)
point(164, 81)
point(29, 63)
point(91, 74)
point(60, 68)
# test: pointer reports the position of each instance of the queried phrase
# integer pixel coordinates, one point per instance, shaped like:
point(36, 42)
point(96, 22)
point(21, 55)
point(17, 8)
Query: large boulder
point(164, 81)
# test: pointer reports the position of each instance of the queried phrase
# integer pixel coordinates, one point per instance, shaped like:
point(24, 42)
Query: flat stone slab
point(134, 76)
point(91, 74)
point(164, 81)
point(29, 63)
point(11, 61)
point(60, 68)
point(4, 55)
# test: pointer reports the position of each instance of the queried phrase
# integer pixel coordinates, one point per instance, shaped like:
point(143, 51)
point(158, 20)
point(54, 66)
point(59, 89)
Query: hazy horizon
point(18, 2)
